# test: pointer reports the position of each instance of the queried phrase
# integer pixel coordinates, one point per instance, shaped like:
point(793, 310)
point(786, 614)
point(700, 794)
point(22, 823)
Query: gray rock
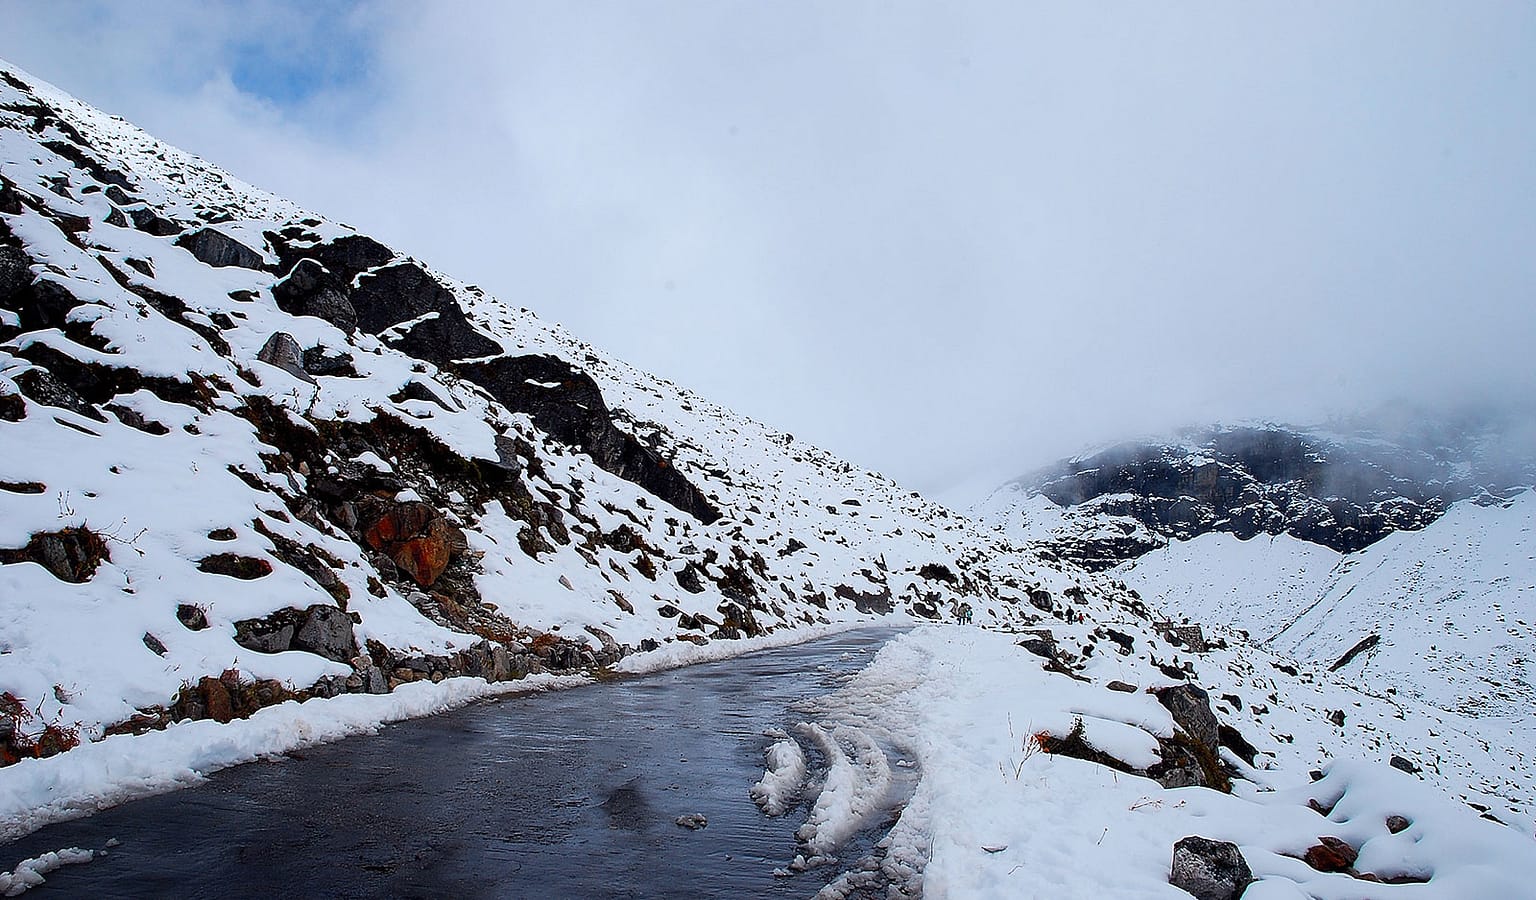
point(329, 686)
point(275, 639)
point(693, 821)
point(327, 632)
point(501, 665)
point(1209, 870)
point(377, 682)
point(215, 248)
point(1191, 709)
point(282, 351)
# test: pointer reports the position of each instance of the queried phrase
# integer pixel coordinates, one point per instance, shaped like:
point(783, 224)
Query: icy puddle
point(573, 793)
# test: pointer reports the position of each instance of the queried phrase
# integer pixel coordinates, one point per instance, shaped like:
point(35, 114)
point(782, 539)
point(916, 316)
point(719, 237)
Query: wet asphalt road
point(567, 794)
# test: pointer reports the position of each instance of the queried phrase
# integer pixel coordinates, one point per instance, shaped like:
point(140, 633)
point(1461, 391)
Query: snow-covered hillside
point(254, 460)
point(1448, 613)
point(253, 455)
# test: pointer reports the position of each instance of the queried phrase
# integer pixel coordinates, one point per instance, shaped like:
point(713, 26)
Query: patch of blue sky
point(320, 49)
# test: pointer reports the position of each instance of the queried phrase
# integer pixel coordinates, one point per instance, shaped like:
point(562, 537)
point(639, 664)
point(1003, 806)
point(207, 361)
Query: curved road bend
point(566, 794)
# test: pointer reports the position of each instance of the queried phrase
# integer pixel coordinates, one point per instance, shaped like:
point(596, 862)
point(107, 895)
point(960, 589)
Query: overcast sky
point(946, 241)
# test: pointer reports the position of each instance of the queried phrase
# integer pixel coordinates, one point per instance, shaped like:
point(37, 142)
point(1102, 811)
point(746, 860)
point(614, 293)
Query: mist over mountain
point(1033, 229)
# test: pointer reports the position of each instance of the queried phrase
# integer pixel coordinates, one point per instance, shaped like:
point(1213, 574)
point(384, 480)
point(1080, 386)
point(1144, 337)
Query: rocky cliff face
point(1341, 491)
point(248, 454)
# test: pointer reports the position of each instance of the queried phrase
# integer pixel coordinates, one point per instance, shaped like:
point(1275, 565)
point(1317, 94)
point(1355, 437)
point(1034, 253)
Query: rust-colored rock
point(216, 700)
point(417, 538)
point(1331, 854)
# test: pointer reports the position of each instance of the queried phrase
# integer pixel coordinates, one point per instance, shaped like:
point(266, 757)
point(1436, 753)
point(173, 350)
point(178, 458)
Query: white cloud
point(937, 240)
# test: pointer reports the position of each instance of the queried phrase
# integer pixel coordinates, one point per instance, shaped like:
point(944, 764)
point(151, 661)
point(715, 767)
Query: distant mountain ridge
point(1338, 489)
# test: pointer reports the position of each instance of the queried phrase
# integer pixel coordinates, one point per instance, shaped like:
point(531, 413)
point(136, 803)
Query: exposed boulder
point(321, 361)
point(43, 303)
point(346, 257)
point(417, 538)
point(269, 634)
point(12, 407)
point(568, 405)
point(282, 351)
point(70, 554)
point(217, 704)
point(41, 386)
point(326, 631)
point(1366, 643)
point(245, 568)
point(1209, 870)
point(876, 601)
point(1233, 740)
point(147, 220)
point(195, 618)
point(312, 290)
point(404, 292)
point(215, 248)
point(1191, 710)
point(1330, 854)
point(322, 630)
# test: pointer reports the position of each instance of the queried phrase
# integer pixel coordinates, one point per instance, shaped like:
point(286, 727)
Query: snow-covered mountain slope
point(1337, 488)
point(252, 455)
point(1448, 613)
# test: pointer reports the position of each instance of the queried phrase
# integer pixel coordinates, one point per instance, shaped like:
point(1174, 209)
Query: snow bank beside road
point(92, 777)
point(1003, 819)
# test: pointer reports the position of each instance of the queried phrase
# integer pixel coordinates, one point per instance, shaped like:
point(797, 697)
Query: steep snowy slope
point(252, 455)
point(1447, 614)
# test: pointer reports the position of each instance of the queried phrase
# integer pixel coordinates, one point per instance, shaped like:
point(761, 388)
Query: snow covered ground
point(996, 816)
point(1448, 613)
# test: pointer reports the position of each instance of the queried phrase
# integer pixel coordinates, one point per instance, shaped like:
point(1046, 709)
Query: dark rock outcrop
point(41, 386)
point(387, 297)
point(70, 554)
point(1330, 854)
point(323, 630)
point(1191, 710)
point(569, 406)
point(215, 248)
point(1366, 643)
point(1342, 492)
point(245, 568)
point(311, 290)
point(346, 257)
